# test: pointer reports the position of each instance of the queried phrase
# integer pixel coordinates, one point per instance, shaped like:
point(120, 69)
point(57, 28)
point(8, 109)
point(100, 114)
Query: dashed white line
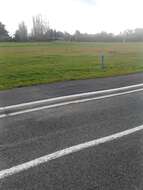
point(44, 159)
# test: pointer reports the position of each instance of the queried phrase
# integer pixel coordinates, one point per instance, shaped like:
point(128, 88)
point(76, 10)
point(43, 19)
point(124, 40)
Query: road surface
point(27, 137)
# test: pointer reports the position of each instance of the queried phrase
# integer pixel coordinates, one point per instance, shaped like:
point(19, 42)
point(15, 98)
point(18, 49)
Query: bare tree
point(40, 28)
point(21, 34)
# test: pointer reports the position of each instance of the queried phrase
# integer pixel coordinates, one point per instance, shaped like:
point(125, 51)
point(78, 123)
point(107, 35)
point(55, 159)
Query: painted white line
point(68, 103)
point(3, 115)
point(44, 159)
point(70, 96)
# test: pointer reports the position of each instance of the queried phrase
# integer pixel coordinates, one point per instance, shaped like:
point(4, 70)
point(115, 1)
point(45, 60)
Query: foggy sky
point(89, 16)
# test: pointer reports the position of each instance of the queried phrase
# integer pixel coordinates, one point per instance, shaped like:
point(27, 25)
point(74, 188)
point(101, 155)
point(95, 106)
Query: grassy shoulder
point(25, 64)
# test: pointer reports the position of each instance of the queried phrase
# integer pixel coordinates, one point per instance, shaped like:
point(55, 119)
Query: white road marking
point(44, 159)
point(70, 96)
point(68, 103)
point(3, 115)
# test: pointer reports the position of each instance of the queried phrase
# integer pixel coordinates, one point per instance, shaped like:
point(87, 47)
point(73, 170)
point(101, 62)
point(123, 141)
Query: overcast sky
point(68, 15)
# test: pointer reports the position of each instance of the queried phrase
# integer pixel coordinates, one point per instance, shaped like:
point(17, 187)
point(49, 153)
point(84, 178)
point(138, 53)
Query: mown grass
point(24, 64)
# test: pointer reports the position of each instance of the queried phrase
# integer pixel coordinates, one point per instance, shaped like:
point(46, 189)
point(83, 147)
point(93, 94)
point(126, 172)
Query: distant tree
point(77, 35)
point(60, 35)
point(3, 33)
point(138, 34)
point(21, 34)
point(49, 35)
point(40, 28)
point(67, 36)
point(132, 35)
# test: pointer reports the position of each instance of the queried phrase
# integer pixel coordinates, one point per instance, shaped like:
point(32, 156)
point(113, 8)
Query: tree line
point(42, 32)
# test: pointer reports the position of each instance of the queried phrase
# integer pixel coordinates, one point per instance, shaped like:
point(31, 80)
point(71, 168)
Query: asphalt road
point(27, 94)
point(113, 165)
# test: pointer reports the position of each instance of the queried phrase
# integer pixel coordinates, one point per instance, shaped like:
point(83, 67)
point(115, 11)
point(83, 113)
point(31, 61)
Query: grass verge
point(25, 64)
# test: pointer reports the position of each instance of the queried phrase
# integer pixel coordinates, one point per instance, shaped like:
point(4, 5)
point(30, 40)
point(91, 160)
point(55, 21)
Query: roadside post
point(102, 61)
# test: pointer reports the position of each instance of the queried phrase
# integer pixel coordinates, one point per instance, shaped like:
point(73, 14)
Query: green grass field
point(24, 64)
